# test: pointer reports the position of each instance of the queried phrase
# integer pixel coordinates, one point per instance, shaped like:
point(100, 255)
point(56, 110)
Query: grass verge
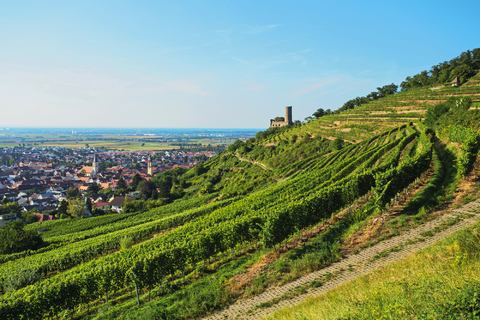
point(441, 282)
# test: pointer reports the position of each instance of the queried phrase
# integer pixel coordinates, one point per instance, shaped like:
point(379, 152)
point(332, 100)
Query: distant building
point(286, 122)
point(94, 165)
point(455, 82)
point(150, 166)
point(44, 217)
point(117, 203)
point(6, 217)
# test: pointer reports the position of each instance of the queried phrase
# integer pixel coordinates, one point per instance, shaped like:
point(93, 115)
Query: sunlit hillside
point(377, 116)
point(258, 216)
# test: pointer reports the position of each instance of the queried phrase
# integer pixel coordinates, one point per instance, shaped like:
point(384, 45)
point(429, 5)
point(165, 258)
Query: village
point(37, 180)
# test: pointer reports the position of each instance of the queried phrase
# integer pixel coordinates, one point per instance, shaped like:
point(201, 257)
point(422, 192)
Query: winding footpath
point(261, 165)
point(359, 264)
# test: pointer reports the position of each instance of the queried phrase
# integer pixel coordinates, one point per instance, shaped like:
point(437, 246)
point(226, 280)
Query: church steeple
point(94, 165)
point(149, 166)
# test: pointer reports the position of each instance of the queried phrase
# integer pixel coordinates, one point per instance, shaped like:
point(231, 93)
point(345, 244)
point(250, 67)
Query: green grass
point(441, 282)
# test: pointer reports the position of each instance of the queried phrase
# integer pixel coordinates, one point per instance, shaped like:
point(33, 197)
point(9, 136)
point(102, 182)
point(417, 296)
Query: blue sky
point(213, 64)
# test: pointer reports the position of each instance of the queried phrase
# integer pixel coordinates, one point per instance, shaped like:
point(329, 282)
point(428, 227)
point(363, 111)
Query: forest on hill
point(265, 212)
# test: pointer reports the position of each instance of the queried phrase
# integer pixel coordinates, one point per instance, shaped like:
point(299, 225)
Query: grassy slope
point(441, 282)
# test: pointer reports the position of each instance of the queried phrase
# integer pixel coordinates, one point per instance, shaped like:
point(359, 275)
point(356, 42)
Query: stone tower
point(149, 166)
point(288, 115)
point(94, 165)
point(288, 119)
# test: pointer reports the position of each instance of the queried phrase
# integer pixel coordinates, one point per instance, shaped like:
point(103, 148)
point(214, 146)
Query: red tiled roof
point(45, 217)
point(100, 204)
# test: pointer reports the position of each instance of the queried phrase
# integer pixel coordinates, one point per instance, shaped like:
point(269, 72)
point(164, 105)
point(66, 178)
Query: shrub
point(14, 238)
point(21, 278)
point(126, 242)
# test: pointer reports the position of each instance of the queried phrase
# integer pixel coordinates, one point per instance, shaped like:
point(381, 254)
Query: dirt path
point(354, 266)
point(261, 165)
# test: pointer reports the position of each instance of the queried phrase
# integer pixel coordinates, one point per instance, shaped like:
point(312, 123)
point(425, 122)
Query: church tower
point(94, 165)
point(149, 166)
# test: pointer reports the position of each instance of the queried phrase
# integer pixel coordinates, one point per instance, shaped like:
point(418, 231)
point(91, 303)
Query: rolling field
point(127, 143)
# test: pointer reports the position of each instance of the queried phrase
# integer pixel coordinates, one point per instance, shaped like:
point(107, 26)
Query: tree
point(177, 191)
point(121, 184)
point(88, 204)
point(131, 205)
point(14, 238)
point(72, 193)
point(199, 168)
point(29, 217)
point(436, 112)
point(387, 90)
point(319, 113)
point(62, 208)
point(75, 207)
point(307, 119)
point(108, 191)
point(94, 188)
point(279, 119)
point(460, 103)
point(234, 146)
point(148, 187)
point(135, 181)
point(10, 207)
point(164, 186)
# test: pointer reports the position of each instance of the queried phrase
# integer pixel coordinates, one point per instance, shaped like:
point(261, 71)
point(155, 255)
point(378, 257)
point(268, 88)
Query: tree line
point(462, 67)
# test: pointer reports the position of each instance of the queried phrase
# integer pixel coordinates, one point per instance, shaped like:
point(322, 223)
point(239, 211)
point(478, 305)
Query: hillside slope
point(260, 215)
point(371, 118)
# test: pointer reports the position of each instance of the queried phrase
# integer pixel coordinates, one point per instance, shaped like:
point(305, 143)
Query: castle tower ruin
point(287, 121)
point(288, 115)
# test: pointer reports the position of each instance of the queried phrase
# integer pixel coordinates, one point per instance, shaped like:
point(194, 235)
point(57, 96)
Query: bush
point(21, 278)
point(467, 159)
point(126, 242)
point(460, 103)
point(13, 238)
point(436, 112)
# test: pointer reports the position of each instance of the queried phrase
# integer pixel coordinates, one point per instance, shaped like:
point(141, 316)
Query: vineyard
point(377, 116)
point(244, 205)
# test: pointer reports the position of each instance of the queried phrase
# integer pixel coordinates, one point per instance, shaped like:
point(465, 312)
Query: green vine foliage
point(394, 180)
point(470, 148)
